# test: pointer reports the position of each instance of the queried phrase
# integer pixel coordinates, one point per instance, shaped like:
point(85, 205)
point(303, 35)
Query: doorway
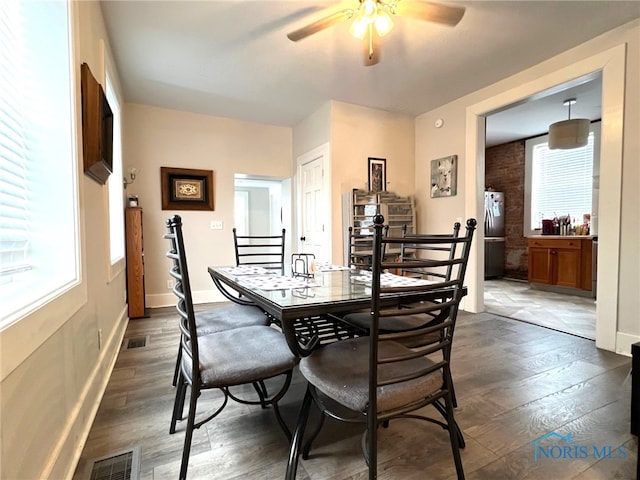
point(314, 203)
point(262, 206)
point(612, 64)
point(507, 154)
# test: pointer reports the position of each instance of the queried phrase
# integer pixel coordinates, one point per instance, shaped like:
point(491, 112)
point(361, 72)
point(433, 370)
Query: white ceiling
point(233, 59)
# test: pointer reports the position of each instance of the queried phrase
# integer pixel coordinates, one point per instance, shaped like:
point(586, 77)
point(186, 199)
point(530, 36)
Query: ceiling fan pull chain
point(370, 42)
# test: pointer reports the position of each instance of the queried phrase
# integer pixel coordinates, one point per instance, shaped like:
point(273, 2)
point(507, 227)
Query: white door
point(314, 206)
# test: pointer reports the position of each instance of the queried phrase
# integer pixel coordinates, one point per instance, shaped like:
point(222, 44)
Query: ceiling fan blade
point(371, 49)
point(321, 24)
point(430, 12)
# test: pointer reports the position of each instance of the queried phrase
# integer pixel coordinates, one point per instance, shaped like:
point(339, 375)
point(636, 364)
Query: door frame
point(612, 64)
point(322, 151)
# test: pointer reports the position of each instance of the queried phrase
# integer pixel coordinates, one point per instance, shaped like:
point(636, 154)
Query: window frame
point(528, 229)
point(114, 268)
point(25, 333)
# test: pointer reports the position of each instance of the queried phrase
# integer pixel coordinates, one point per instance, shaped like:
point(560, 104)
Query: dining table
point(308, 307)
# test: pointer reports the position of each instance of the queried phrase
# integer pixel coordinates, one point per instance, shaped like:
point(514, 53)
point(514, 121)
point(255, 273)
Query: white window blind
point(561, 182)
point(38, 183)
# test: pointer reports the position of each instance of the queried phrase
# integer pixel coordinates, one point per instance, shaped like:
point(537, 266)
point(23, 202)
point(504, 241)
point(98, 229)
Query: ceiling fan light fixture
point(368, 10)
point(383, 23)
point(359, 28)
point(571, 133)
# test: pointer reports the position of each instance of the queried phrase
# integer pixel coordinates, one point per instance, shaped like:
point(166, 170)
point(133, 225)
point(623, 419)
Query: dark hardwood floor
point(515, 383)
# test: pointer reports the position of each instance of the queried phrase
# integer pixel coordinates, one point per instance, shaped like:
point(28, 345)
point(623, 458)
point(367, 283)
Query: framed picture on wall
point(444, 176)
point(186, 189)
point(377, 174)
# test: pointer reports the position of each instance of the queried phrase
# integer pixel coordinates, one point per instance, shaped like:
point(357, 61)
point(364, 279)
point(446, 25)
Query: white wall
point(171, 138)
point(455, 137)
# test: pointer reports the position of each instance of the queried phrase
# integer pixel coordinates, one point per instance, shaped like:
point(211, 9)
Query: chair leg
point(453, 435)
point(189, 433)
point(372, 448)
point(296, 441)
point(316, 431)
point(178, 403)
point(447, 372)
point(281, 422)
point(443, 411)
point(176, 371)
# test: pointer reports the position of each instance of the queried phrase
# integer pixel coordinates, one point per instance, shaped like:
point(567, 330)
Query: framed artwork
point(377, 174)
point(186, 189)
point(444, 176)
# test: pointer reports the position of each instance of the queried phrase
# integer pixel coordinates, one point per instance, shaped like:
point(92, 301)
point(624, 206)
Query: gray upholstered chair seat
point(341, 371)
point(242, 355)
point(229, 317)
point(388, 324)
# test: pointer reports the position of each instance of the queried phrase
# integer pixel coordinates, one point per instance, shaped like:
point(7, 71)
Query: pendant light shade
point(571, 133)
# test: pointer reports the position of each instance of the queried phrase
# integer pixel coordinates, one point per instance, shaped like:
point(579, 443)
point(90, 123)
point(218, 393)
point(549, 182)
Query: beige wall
point(53, 376)
point(358, 133)
point(452, 138)
point(172, 138)
point(312, 132)
point(354, 134)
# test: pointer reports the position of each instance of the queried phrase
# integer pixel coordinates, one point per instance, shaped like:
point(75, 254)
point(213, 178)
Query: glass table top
point(323, 287)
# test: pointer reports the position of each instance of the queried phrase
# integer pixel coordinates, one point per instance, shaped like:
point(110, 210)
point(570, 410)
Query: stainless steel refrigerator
point(493, 234)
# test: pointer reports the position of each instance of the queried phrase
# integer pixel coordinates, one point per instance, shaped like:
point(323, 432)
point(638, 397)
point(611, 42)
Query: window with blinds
point(38, 182)
point(115, 182)
point(560, 182)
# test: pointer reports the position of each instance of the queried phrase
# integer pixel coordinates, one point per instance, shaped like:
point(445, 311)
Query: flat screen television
point(97, 128)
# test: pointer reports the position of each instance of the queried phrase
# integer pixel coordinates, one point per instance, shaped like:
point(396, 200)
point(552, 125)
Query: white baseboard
point(79, 422)
point(169, 299)
point(624, 342)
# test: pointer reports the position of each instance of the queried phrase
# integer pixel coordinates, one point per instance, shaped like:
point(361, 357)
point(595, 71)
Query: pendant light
point(571, 133)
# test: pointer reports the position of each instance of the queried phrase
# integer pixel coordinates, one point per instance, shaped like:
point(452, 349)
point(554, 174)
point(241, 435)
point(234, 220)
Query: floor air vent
point(121, 466)
point(136, 342)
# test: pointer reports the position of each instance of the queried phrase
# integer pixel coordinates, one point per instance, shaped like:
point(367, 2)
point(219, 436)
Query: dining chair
point(221, 318)
point(382, 377)
point(435, 252)
point(240, 356)
point(360, 248)
point(429, 247)
point(266, 251)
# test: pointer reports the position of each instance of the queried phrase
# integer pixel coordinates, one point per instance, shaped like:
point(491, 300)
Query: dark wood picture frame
point(186, 189)
point(377, 174)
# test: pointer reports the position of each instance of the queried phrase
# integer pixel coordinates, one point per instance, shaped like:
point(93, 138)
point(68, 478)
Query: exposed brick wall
point(504, 172)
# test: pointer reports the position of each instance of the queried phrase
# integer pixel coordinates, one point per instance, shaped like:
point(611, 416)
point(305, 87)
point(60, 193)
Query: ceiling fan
point(373, 19)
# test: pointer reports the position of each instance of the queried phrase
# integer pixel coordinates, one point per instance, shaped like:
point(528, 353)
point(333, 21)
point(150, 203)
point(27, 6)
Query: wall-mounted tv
point(97, 128)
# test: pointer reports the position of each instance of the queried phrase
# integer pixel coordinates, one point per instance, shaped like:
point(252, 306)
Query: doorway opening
point(262, 206)
point(508, 131)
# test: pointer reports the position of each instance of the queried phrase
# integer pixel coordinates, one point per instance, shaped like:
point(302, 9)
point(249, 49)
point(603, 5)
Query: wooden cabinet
point(135, 262)
point(565, 262)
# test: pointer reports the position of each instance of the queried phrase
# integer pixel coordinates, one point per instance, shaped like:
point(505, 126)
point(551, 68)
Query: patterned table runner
point(276, 282)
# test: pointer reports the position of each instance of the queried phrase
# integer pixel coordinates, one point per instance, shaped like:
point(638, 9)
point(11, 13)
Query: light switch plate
point(216, 224)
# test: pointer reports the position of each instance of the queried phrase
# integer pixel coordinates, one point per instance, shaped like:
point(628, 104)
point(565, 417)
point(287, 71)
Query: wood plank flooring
point(515, 382)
